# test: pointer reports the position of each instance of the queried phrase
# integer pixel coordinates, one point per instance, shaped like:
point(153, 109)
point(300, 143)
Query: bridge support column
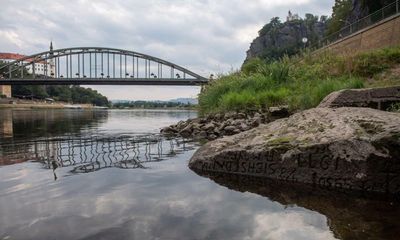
point(5, 90)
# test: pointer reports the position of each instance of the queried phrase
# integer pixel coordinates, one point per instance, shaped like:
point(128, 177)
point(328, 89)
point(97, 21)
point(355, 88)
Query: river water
point(75, 174)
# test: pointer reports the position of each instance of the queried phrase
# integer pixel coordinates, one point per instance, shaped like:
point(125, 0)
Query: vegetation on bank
point(300, 82)
point(73, 94)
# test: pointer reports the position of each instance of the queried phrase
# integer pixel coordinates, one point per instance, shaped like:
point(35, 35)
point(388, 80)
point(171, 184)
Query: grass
point(300, 82)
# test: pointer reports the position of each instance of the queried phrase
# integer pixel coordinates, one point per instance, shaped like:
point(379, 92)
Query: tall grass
point(300, 82)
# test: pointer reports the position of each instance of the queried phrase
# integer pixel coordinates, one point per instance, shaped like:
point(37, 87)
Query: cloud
point(203, 35)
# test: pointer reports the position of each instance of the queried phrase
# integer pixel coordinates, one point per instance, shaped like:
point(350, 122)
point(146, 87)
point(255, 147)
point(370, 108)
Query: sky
point(204, 36)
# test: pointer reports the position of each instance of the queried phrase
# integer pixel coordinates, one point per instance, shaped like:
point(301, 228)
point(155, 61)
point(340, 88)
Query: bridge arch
point(96, 65)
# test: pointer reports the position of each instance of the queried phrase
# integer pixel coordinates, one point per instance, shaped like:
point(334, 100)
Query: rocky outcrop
point(350, 148)
point(285, 39)
point(378, 98)
point(219, 125)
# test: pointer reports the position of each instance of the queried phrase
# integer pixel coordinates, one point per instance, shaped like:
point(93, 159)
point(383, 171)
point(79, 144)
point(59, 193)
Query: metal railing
point(382, 14)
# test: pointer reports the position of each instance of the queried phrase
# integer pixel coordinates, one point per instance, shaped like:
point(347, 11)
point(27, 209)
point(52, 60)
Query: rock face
point(378, 98)
point(287, 39)
point(350, 148)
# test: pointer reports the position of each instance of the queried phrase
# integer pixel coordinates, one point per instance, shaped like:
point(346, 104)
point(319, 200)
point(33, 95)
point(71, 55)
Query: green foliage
point(252, 66)
point(340, 12)
point(300, 82)
point(273, 25)
point(370, 63)
point(73, 94)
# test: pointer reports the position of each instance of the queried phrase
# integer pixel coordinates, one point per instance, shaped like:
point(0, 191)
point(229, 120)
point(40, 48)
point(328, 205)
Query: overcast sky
point(205, 36)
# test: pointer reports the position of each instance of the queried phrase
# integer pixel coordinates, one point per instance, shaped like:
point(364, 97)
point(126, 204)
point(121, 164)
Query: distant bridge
point(96, 66)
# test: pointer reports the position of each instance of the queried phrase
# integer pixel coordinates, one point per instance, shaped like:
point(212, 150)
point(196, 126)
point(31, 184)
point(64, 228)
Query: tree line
point(151, 105)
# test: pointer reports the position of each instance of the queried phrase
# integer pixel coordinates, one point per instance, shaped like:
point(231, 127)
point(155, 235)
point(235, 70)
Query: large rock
point(351, 148)
point(378, 98)
point(286, 38)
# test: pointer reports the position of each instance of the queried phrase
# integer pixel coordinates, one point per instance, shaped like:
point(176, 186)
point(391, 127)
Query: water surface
point(73, 174)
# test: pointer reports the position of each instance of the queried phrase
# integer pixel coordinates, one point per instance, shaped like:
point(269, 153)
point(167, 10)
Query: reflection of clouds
point(291, 225)
point(165, 202)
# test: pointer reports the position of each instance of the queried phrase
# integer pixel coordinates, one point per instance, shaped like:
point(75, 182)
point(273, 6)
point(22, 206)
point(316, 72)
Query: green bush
point(300, 82)
point(371, 63)
point(252, 66)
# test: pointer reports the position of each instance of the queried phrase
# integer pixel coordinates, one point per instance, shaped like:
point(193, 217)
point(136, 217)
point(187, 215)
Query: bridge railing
point(382, 14)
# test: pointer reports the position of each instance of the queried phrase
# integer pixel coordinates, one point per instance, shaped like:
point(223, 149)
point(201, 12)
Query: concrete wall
point(383, 34)
point(5, 90)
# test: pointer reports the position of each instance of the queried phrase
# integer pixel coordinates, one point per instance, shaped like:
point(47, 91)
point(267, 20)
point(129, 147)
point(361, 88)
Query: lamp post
point(304, 40)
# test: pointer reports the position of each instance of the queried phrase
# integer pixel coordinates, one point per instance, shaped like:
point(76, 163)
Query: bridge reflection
point(6, 125)
point(93, 153)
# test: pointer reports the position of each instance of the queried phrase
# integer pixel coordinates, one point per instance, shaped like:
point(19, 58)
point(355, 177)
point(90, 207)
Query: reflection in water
point(154, 199)
point(349, 217)
point(47, 123)
point(89, 154)
point(6, 125)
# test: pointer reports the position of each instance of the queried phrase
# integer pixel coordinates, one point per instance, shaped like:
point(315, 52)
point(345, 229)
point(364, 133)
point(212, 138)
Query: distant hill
point(190, 101)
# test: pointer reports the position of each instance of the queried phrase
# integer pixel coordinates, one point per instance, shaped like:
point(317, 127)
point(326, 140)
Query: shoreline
point(14, 103)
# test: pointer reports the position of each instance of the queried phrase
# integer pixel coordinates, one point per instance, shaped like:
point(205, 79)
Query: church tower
point(51, 62)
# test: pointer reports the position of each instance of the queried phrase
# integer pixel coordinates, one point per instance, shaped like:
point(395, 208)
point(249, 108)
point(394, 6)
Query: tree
point(340, 12)
point(274, 24)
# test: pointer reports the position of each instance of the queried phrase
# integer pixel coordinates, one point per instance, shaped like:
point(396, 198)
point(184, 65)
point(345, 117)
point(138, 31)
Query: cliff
point(277, 39)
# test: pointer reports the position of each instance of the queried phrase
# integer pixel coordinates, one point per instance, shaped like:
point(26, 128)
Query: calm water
point(109, 175)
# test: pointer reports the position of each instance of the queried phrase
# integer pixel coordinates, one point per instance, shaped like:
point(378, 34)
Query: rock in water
point(351, 148)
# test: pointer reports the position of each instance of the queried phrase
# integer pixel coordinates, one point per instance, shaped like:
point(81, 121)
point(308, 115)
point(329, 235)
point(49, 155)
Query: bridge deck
point(104, 81)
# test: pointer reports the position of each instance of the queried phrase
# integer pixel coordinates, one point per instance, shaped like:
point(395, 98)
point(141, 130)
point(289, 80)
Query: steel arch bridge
point(95, 66)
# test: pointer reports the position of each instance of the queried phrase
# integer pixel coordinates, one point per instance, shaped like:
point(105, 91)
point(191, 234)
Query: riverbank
point(299, 82)
point(40, 104)
point(335, 133)
point(218, 125)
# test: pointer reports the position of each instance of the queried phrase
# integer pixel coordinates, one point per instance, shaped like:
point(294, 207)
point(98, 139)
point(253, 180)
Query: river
point(76, 174)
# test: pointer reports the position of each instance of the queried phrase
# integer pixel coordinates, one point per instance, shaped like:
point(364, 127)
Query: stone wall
point(5, 90)
point(380, 35)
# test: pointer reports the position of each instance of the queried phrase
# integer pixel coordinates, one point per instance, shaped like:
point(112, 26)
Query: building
point(292, 17)
point(41, 68)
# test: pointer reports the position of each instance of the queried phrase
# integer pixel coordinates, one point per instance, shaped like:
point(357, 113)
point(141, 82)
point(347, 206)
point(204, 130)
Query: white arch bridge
point(95, 66)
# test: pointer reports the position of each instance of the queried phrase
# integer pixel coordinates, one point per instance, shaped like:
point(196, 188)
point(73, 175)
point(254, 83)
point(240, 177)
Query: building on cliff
point(292, 17)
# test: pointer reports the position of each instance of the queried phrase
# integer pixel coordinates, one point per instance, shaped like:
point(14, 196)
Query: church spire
point(51, 46)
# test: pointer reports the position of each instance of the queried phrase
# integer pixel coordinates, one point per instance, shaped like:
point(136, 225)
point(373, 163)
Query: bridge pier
point(5, 91)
